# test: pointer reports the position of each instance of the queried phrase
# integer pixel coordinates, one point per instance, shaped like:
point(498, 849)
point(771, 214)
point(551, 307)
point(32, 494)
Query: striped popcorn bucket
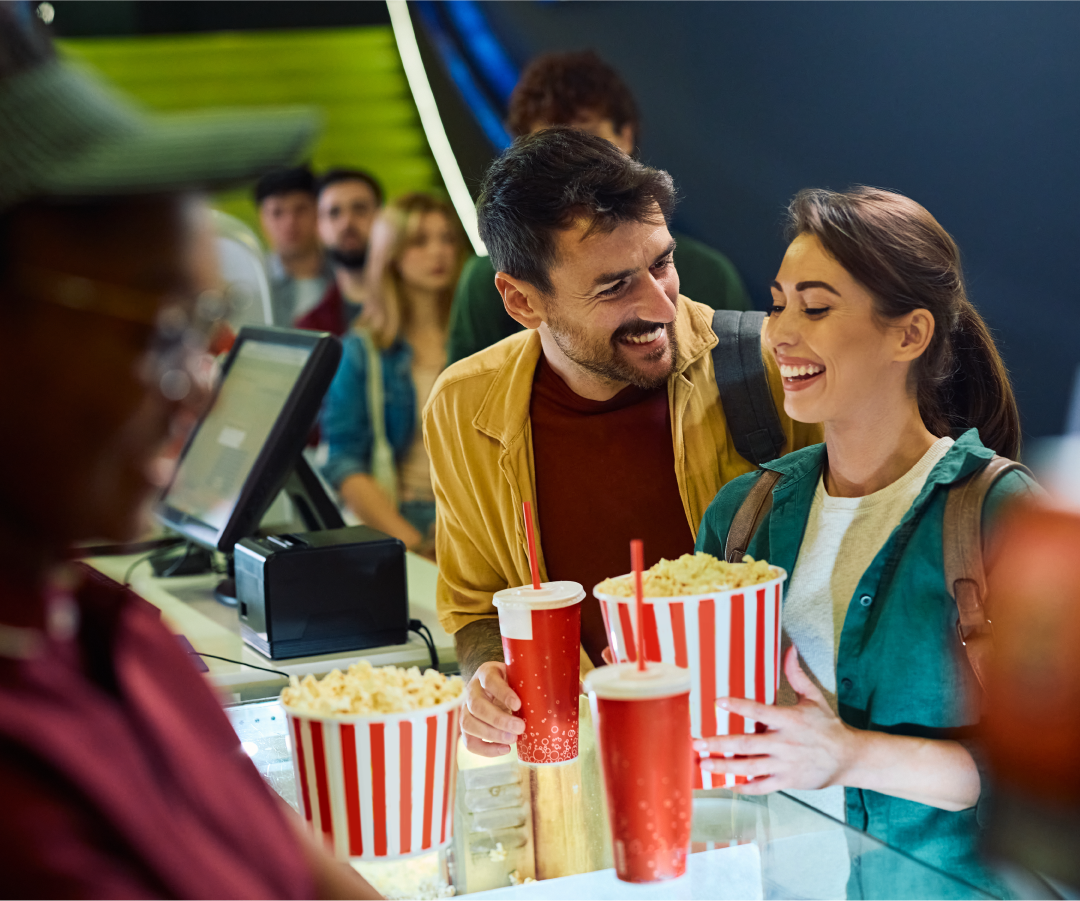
point(729, 640)
point(378, 787)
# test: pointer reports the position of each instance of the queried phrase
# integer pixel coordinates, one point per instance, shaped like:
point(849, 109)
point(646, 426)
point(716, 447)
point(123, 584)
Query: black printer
point(310, 593)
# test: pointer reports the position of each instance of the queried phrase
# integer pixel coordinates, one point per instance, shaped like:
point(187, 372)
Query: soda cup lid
point(551, 596)
point(625, 682)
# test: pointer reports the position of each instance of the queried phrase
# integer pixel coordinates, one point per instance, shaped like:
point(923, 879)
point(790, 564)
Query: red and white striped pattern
point(730, 641)
point(378, 788)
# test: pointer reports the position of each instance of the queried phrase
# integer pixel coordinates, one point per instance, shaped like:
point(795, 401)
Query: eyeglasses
point(181, 326)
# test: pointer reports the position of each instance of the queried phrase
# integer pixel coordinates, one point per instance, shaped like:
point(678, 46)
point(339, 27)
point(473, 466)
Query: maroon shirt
point(332, 314)
point(605, 474)
point(121, 776)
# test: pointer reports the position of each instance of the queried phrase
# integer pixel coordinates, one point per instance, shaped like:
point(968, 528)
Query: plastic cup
point(378, 787)
point(541, 638)
point(728, 640)
point(643, 729)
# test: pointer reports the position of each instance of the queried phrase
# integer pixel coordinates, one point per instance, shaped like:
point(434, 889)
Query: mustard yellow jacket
point(479, 438)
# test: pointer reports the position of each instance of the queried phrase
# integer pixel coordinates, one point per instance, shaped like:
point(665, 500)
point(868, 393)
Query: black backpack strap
point(744, 386)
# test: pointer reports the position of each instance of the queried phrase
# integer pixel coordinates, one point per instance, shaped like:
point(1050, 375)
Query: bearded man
point(348, 200)
point(604, 412)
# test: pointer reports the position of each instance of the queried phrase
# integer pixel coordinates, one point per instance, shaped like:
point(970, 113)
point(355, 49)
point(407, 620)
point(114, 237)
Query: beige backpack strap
point(749, 516)
point(965, 577)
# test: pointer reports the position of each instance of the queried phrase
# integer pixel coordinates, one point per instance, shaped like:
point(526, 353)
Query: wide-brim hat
point(64, 134)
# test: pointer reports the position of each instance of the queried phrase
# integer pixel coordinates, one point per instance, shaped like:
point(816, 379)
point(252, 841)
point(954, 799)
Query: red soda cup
point(541, 638)
point(642, 722)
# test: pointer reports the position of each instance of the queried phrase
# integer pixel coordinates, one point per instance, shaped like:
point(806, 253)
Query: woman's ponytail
point(907, 261)
point(975, 391)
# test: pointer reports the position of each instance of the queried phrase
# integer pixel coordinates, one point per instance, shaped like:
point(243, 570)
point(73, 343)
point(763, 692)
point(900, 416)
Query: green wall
point(353, 76)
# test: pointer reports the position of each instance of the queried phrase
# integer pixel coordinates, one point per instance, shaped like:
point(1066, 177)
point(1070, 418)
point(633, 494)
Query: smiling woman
point(907, 265)
point(875, 337)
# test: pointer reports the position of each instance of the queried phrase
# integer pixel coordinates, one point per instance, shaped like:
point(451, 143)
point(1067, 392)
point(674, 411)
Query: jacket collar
point(965, 456)
point(504, 411)
point(793, 496)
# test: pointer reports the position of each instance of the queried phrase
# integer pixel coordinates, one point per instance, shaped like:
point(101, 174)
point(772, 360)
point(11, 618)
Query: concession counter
point(537, 831)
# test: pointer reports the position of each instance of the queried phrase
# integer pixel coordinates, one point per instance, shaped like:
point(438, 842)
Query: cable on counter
point(424, 632)
point(131, 569)
point(276, 672)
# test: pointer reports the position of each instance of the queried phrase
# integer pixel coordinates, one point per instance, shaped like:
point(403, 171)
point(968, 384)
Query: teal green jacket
point(478, 318)
point(900, 668)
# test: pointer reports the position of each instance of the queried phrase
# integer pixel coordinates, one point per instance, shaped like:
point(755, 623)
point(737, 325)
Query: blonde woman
point(378, 462)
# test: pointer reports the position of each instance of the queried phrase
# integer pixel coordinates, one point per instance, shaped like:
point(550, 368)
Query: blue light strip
point(480, 43)
point(487, 117)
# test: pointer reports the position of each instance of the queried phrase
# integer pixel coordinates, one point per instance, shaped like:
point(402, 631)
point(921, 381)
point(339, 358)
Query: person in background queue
point(581, 90)
point(604, 412)
point(120, 774)
point(348, 202)
point(416, 252)
point(875, 337)
point(298, 269)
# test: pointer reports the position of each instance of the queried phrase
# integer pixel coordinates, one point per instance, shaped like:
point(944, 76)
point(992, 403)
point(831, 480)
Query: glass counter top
point(515, 823)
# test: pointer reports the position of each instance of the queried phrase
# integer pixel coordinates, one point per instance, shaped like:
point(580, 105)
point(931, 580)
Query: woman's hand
point(807, 745)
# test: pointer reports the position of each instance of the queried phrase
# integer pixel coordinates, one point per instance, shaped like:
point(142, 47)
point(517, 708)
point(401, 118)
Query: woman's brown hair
point(900, 253)
point(387, 312)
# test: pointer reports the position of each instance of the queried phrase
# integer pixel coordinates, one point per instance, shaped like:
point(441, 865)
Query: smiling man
point(604, 413)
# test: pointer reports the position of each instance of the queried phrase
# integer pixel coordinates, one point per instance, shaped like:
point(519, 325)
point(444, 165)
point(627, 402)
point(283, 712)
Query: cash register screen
point(245, 445)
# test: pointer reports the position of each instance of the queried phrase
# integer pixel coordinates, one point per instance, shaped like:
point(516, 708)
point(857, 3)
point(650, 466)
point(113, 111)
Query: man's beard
point(348, 259)
point(605, 361)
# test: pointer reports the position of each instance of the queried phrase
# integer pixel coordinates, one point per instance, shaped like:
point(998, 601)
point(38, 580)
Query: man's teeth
point(647, 338)
point(793, 372)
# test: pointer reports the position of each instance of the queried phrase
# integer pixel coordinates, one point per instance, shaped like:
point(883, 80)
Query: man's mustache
point(636, 328)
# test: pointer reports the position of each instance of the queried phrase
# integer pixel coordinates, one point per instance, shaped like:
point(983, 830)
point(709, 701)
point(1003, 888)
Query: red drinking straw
point(637, 555)
point(531, 535)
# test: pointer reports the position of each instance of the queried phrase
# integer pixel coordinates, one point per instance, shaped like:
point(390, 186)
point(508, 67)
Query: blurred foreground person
point(377, 457)
point(581, 90)
point(298, 269)
point(348, 202)
point(1032, 723)
point(119, 772)
point(875, 337)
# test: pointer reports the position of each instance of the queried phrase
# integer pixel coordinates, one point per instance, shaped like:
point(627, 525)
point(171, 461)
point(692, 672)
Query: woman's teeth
point(794, 372)
point(646, 338)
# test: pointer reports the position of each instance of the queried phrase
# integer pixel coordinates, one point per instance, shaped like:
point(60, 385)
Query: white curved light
point(432, 121)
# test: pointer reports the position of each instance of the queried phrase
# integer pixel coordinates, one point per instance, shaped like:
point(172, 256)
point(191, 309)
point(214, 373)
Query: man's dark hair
point(556, 87)
point(547, 181)
point(285, 181)
point(333, 176)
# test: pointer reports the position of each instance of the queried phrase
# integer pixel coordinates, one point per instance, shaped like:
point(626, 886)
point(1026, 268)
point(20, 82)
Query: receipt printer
point(321, 592)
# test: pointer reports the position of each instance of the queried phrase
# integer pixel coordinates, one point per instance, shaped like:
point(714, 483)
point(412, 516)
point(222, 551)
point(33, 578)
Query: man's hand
point(487, 722)
point(807, 746)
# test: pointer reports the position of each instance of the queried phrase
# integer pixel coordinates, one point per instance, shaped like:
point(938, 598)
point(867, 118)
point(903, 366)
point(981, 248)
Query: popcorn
point(364, 690)
point(690, 574)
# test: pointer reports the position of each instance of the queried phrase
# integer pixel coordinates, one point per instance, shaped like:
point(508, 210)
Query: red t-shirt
point(605, 474)
point(121, 776)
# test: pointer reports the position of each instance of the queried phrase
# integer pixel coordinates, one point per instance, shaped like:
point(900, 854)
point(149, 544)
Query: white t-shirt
point(843, 536)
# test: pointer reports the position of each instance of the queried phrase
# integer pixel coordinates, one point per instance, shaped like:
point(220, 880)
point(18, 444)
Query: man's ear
point(521, 299)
